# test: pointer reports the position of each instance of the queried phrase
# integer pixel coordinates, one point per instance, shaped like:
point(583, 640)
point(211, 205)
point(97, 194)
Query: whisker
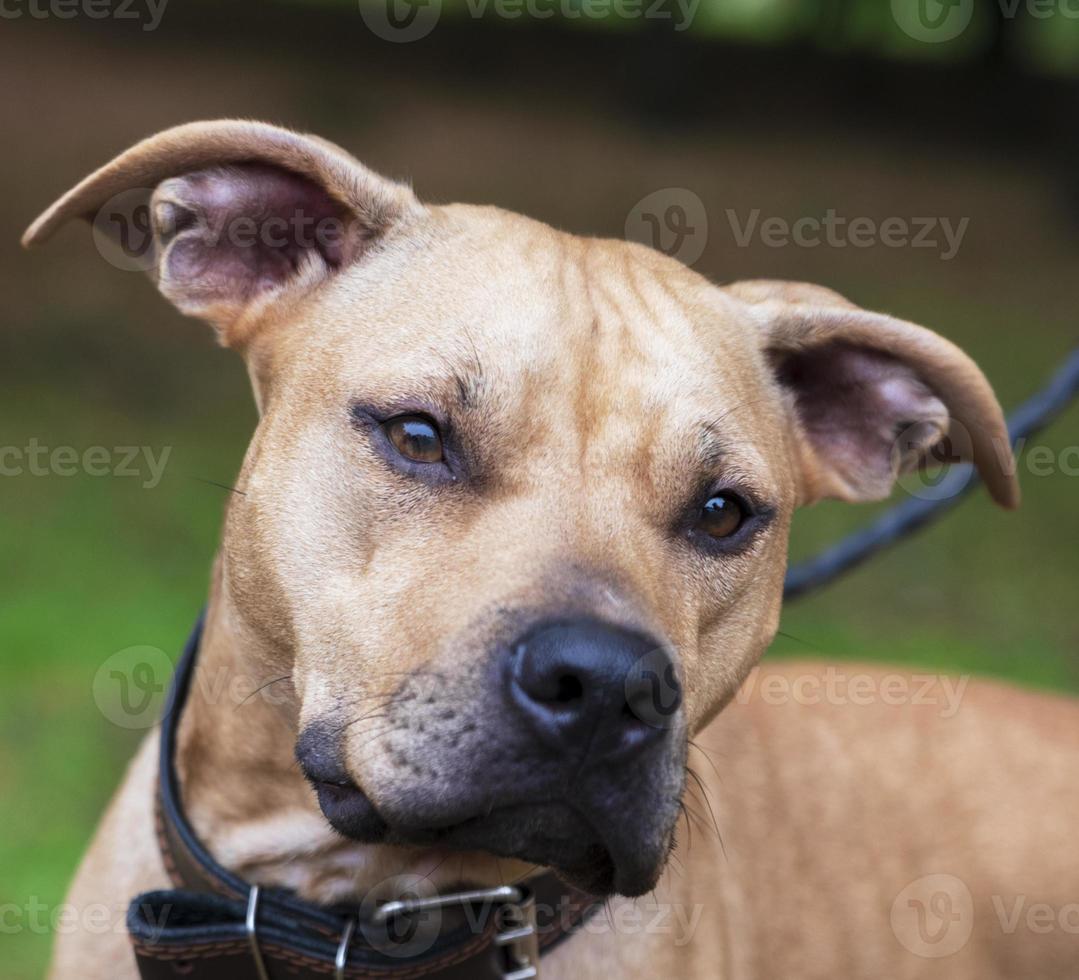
point(706, 799)
point(798, 639)
point(707, 757)
point(220, 486)
point(689, 828)
point(262, 687)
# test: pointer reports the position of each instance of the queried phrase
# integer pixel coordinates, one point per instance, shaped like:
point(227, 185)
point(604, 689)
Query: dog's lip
point(546, 833)
point(583, 859)
point(341, 784)
point(349, 810)
point(585, 862)
point(576, 851)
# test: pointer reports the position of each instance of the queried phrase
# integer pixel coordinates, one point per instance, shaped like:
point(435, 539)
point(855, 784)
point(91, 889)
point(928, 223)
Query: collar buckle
point(516, 935)
point(251, 928)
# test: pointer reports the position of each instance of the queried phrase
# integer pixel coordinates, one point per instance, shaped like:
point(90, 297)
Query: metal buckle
point(517, 935)
point(341, 959)
point(519, 938)
point(251, 926)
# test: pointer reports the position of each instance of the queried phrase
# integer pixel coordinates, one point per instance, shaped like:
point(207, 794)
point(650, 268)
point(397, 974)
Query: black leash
point(915, 513)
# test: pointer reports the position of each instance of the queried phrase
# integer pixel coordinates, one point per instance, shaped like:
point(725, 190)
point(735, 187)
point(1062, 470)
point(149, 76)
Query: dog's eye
point(415, 437)
point(722, 515)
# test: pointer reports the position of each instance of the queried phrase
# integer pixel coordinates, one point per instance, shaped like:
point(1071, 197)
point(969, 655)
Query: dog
point(499, 467)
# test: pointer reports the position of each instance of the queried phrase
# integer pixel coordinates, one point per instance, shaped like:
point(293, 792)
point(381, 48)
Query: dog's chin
point(551, 835)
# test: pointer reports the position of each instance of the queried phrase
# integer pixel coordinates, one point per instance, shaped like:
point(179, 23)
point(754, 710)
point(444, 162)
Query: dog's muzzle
point(577, 761)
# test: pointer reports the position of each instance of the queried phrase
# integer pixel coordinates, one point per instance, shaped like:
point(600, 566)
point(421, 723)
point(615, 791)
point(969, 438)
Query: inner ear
point(226, 234)
point(867, 415)
point(237, 212)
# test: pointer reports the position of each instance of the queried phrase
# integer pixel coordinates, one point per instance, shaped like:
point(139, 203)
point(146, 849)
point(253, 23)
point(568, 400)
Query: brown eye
point(415, 437)
point(722, 515)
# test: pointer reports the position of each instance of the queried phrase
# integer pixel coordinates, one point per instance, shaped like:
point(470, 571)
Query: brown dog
point(497, 468)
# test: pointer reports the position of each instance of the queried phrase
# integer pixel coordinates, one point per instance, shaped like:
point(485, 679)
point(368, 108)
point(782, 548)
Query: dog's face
point(515, 515)
point(542, 484)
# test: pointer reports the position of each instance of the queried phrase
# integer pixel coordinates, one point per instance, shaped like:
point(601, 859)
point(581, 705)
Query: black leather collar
point(216, 926)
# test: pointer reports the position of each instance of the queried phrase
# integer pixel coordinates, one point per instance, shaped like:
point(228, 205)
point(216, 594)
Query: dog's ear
point(870, 396)
point(238, 213)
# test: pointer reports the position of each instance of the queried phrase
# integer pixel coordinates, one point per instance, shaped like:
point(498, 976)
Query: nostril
point(570, 679)
point(570, 688)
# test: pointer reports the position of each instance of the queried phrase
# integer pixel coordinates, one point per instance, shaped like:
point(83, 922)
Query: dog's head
point(515, 515)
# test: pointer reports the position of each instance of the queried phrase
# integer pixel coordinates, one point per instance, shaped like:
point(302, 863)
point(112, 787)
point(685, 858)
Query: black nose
point(595, 687)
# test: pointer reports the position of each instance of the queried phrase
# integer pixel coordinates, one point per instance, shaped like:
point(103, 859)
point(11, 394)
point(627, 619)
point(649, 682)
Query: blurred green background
point(790, 108)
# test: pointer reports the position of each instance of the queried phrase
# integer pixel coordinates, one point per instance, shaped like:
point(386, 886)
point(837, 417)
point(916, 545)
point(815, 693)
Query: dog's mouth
point(547, 834)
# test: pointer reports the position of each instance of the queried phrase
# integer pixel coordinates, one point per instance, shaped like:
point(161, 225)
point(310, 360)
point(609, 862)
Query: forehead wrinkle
point(625, 319)
point(640, 278)
point(589, 364)
point(625, 337)
point(674, 334)
point(616, 375)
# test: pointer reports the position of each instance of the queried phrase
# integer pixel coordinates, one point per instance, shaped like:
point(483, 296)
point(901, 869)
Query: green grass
point(93, 565)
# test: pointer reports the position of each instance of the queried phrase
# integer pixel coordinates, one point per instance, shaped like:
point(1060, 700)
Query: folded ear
point(872, 396)
point(238, 213)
